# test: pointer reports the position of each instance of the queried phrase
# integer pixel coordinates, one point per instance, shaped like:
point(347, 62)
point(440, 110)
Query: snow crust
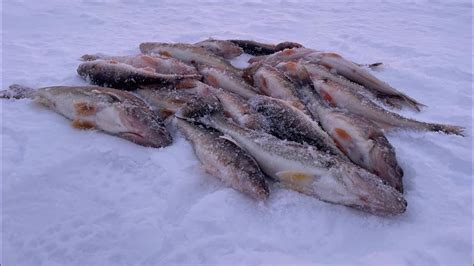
point(73, 197)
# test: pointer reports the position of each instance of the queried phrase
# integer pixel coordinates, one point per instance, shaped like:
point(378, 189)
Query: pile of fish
point(298, 118)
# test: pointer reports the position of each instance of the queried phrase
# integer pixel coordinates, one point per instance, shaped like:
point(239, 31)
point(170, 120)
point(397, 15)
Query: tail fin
point(412, 102)
point(447, 129)
point(16, 91)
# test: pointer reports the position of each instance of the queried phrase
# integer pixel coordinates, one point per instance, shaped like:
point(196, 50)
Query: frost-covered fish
point(113, 111)
point(233, 105)
point(111, 73)
point(274, 84)
point(312, 172)
point(357, 74)
point(167, 101)
point(340, 96)
point(288, 122)
point(222, 48)
point(188, 53)
point(226, 80)
point(158, 64)
point(257, 48)
point(301, 71)
point(224, 160)
point(361, 140)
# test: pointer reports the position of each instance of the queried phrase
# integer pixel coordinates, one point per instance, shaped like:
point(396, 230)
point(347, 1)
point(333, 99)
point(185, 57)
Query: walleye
point(361, 140)
point(124, 76)
point(166, 101)
point(357, 74)
point(312, 172)
point(158, 64)
point(274, 84)
point(222, 48)
point(234, 106)
point(288, 122)
point(340, 96)
point(188, 53)
point(226, 80)
point(257, 48)
point(113, 111)
point(224, 160)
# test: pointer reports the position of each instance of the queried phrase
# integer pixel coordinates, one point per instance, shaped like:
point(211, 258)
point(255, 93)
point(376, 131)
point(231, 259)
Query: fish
point(257, 48)
point(118, 75)
point(360, 139)
point(290, 123)
point(272, 83)
point(234, 106)
point(156, 63)
point(300, 72)
point(353, 72)
point(226, 80)
point(342, 97)
point(167, 101)
point(304, 169)
point(188, 53)
point(224, 160)
point(222, 48)
point(115, 112)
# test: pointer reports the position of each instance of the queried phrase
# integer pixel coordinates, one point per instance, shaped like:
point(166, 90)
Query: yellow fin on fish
point(295, 176)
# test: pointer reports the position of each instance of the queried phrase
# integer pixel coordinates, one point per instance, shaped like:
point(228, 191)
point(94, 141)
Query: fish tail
point(16, 91)
point(447, 129)
point(412, 102)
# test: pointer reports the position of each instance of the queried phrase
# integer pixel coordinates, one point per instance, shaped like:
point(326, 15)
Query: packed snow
point(72, 197)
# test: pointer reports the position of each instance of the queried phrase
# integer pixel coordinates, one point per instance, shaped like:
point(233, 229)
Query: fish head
point(368, 192)
point(385, 163)
point(142, 126)
point(200, 107)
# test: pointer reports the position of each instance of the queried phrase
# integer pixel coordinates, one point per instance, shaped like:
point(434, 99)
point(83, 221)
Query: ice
point(73, 197)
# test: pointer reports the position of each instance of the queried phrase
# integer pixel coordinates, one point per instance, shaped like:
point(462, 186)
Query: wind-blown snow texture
point(75, 197)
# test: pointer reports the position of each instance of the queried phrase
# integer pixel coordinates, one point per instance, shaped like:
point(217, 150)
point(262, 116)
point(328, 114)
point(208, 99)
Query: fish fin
point(375, 65)
point(82, 124)
point(412, 102)
point(448, 129)
point(149, 69)
point(17, 91)
point(165, 54)
point(114, 96)
point(84, 109)
point(296, 177)
point(229, 138)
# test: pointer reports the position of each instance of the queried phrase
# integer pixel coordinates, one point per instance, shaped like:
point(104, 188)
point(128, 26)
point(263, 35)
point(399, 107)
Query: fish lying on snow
point(357, 74)
point(288, 122)
point(188, 53)
point(304, 169)
point(274, 84)
point(224, 160)
point(166, 101)
point(343, 97)
point(222, 48)
point(233, 105)
point(158, 64)
point(113, 111)
point(226, 80)
point(257, 48)
point(114, 74)
point(361, 140)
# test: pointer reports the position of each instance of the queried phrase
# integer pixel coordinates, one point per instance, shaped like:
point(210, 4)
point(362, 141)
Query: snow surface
point(73, 197)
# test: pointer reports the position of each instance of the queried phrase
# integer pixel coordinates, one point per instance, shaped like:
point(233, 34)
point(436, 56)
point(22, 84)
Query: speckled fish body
point(188, 53)
point(113, 111)
point(111, 73)
point(222, 48)
point(312, 172)
point(361, 140)
point(225, 160)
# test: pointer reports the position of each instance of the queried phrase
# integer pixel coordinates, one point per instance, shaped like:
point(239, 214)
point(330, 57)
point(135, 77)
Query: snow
point(73, 197)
